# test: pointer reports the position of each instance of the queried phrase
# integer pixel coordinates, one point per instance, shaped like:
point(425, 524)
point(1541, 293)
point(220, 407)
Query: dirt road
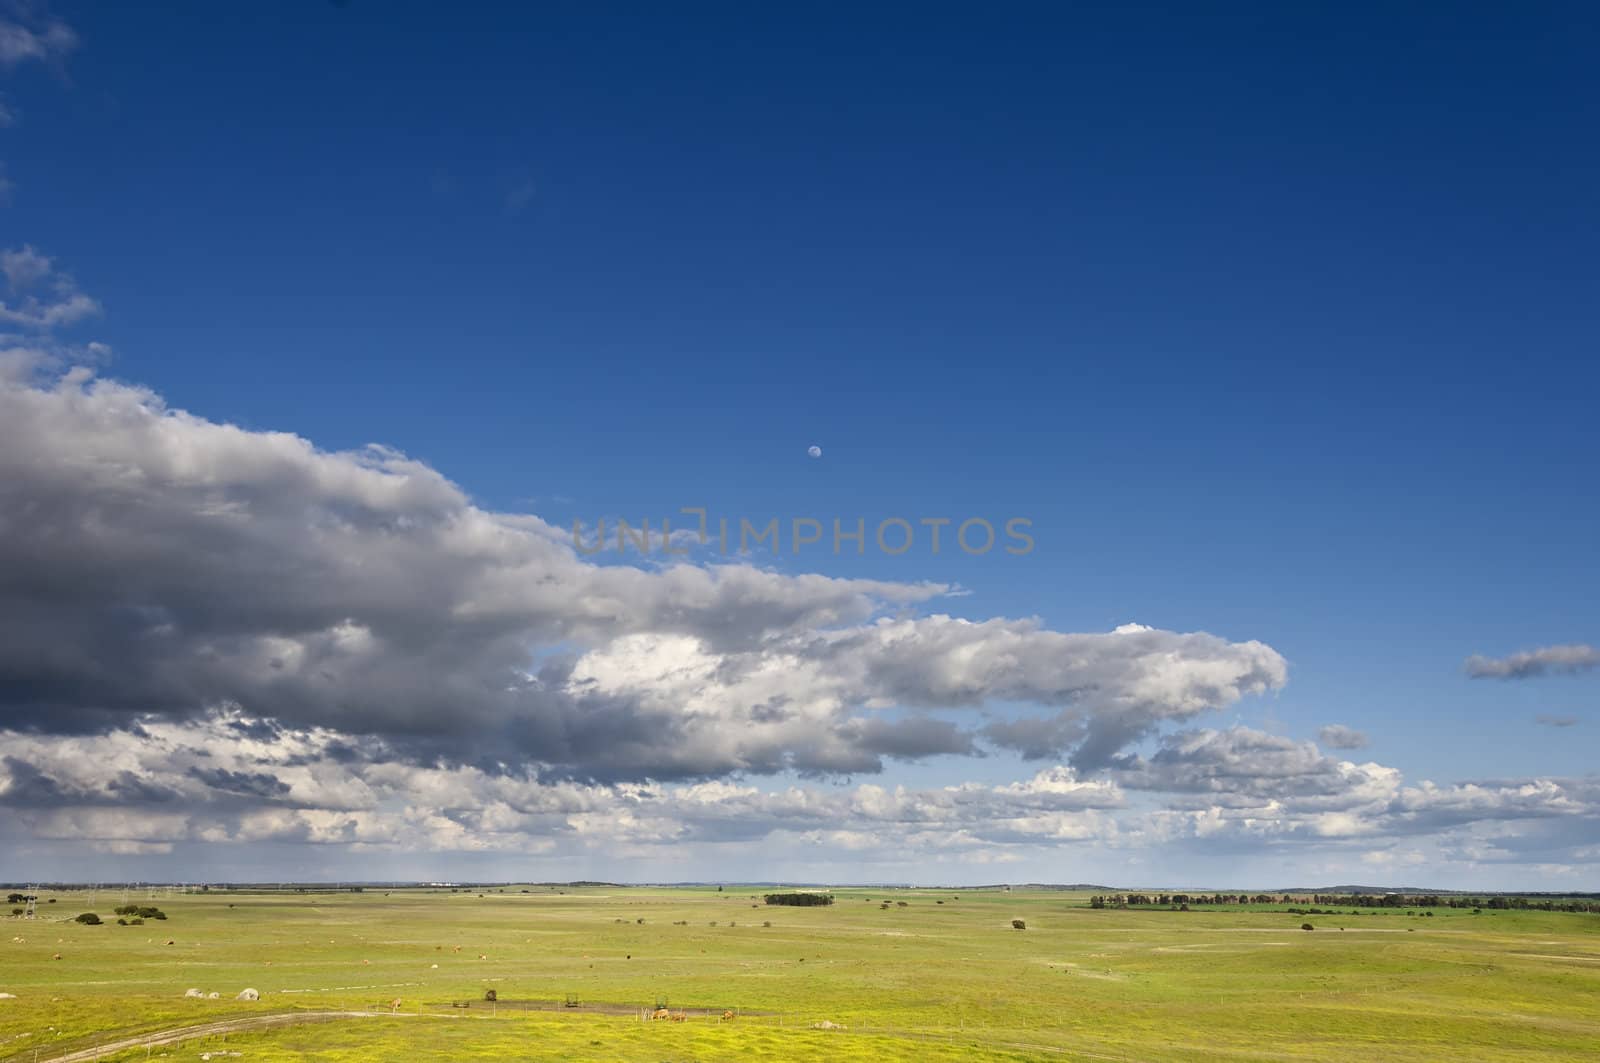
point(212, 1029)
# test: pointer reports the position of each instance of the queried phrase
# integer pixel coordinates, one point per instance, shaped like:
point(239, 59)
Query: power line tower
point(33, 899)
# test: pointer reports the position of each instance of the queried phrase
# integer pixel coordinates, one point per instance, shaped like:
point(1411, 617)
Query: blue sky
point(1276, 324)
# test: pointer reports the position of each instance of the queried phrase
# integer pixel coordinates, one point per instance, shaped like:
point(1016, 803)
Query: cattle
point(661, 1013)
point(727, 1016)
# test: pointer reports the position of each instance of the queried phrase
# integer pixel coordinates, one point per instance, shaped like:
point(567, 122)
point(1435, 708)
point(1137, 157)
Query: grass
point(929, 981)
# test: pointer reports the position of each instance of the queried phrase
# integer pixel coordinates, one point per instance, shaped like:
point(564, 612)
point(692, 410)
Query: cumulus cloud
point(1338, 736)
point(214, 636)
point(158, 563)
point(1547, 660)
point(1244, 766)
point(228, 779)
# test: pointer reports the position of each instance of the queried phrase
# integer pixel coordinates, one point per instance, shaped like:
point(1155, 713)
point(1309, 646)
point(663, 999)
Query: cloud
point(1547, 660)
point(228, 778)
point(215, 636)
point(29, 37)
point(40, 297)
point(1245, 767)
point(232, 782)
point(1338, 736)
point(170, 566)
point(1549, 720)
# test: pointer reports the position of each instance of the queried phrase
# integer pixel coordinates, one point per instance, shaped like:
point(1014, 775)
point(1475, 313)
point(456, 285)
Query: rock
point(248, 994)
point(195, 993)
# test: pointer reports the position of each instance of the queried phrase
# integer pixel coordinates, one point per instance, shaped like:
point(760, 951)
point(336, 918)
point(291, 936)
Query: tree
point(88, 919)
point(800, 900)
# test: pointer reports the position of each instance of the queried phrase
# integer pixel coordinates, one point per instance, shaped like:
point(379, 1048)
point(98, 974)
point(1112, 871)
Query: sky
point(1262, 339)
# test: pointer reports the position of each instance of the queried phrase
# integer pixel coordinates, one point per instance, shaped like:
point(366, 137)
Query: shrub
point(1307, 926)
point(88, 919)
point(1018, 924)
point(491, 995)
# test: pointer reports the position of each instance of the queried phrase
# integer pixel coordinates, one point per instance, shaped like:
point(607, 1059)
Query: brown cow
point(727, 1016)
point(394, 1005)
point(680, 1016)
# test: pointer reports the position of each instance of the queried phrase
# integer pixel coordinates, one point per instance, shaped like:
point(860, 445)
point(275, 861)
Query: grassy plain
point(943, 978)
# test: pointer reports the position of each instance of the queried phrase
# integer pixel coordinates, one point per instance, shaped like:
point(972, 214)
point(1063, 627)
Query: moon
point(814, 450)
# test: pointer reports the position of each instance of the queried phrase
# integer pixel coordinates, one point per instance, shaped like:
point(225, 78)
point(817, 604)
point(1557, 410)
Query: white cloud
point(1547, 660)
point(199, 564)
point(1338, 736)
point(27, 37)
point(39, 296)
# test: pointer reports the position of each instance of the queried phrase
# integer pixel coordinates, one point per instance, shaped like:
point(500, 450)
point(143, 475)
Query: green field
point(943, 978)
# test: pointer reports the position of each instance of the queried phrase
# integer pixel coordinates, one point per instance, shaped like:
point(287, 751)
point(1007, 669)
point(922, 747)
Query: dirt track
point(698, 1012)
point(211, 1029)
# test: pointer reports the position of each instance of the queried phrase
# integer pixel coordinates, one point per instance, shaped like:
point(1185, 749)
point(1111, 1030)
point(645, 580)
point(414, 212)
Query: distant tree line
point(800, 900)
point(1347, 900)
